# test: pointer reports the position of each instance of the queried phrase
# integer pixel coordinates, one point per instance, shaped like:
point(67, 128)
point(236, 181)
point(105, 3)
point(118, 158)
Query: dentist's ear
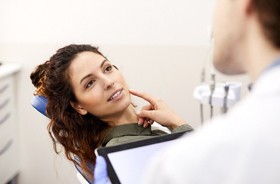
point(78, 108)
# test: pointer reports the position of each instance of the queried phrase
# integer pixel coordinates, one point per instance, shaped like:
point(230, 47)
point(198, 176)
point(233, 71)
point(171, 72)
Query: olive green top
point(133, 132)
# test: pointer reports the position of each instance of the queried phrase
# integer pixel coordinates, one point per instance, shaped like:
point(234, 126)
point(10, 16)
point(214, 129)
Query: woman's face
point(99, 87)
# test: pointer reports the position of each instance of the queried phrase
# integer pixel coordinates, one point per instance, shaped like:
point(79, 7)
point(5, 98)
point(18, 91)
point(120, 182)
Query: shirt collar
point(274, 64)
point(132, 129)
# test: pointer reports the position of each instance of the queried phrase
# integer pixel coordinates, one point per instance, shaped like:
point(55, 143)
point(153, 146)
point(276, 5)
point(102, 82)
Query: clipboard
point(126, 163)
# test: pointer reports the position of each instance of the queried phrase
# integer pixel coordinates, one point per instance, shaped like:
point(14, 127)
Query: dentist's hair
point(79, 134)
point(268, 12)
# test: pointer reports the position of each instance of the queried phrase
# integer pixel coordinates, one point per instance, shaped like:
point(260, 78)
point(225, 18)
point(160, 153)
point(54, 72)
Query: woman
point(89, 104)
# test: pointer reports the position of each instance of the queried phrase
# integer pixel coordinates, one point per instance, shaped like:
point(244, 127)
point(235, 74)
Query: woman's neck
point(126, 117)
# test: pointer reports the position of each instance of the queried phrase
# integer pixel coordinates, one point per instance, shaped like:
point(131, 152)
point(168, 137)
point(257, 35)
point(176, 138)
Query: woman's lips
point(116, 95)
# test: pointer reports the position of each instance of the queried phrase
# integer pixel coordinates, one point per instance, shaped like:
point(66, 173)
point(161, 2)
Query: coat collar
point(268, 83)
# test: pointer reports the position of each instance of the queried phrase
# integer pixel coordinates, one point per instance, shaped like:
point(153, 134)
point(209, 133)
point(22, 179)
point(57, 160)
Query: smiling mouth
point(115, 95)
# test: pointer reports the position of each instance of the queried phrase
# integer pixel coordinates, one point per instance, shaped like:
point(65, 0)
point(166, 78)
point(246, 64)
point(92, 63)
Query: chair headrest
point(40, 104)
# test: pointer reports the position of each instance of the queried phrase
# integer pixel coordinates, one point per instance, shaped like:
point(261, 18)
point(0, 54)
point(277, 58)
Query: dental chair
point(40, 103)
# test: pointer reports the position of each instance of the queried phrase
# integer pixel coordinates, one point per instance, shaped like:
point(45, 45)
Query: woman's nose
point(108, 82)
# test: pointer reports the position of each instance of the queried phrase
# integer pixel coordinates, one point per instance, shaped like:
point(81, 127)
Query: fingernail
point(140, 122)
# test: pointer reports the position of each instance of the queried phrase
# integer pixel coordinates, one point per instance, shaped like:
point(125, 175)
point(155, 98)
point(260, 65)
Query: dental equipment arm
point(201, 104)
point(212, 89)
point(221, 95)
point(225, 106)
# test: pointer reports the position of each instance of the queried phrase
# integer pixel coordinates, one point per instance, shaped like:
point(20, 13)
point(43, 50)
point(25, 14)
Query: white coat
point(241, 147)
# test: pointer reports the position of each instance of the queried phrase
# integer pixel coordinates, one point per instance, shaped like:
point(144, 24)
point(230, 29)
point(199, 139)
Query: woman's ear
point(78, 108)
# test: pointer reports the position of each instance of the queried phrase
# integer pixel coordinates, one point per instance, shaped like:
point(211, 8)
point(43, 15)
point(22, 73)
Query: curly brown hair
point(79, 134)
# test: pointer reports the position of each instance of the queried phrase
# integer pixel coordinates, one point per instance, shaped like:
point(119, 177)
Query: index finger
point(144, 96)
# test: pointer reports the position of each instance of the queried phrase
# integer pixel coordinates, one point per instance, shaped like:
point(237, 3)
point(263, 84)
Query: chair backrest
point(40, 104)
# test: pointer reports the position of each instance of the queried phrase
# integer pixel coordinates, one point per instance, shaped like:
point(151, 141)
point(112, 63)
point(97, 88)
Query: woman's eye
point(108, 68)
point(89, 84)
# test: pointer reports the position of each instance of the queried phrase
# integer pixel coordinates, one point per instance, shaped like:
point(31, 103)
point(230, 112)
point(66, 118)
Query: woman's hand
point(158, 111)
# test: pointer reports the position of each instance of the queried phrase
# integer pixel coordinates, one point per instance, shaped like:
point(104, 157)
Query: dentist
point(243, 146)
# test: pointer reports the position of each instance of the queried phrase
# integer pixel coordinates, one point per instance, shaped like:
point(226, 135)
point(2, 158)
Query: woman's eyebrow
point(103, 62)
point(89, 75)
